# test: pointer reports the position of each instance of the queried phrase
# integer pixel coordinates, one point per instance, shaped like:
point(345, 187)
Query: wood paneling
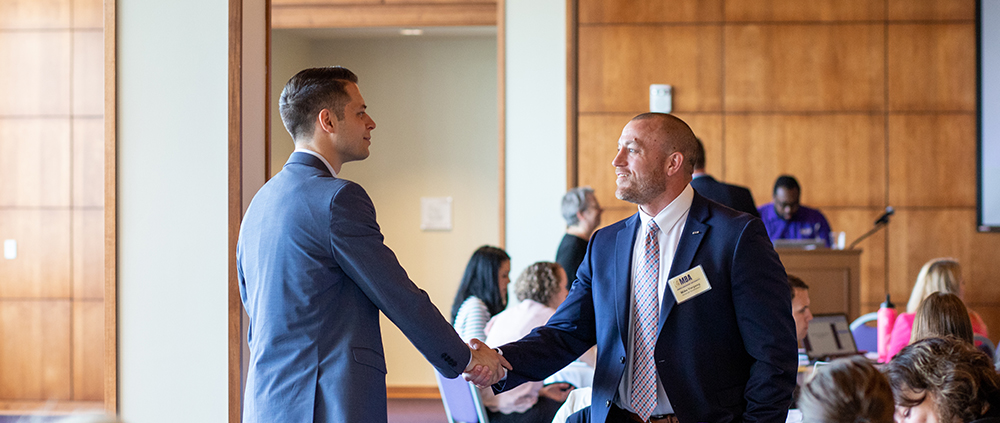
point(932, 67)
point(351, 16)
point(88, 14)
point(797, 10)
point(34, 14)
point(804, 67)
point(924, 10)
point(88, 254)
point(34, 73)
point(42, 266)
point(917, 236)
point(88, 73)
point(826, 153)
point(598, 145)
point(34, 153)
point(855, 222)
point(88, 350)
point(990, 312)
point(35, 350)
point(88, 162)
point(931, 160)
point(289, 3)
point(625, 60)
point(650, 11)
point(708, 128)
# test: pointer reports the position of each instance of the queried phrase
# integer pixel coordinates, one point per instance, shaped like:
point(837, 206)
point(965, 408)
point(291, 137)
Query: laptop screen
point(829, 335)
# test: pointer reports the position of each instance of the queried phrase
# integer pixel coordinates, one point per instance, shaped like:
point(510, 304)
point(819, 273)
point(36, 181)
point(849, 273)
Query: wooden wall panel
point(924, 10)
point(804, 67)
point(36, 154)
point(88, 350)
point(650, 11)
point(990, 312)
point(42, 266)
point(365, 15)
point(931, 160)
point(35, 350)
point(34, 73)
point(88, 254)
point(917, 236)
point(88, 73)
point(932, 67)
point(88, 162)
point(855, 222)
point(88, 14)
point(34, 14)
point(797, 10)
point(708, 128)
point(625, 60)
point(598, 145)
point(826, 153)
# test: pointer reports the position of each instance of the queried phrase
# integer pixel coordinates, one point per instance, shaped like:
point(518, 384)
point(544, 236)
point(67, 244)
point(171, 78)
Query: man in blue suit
point(686, 301)
point(314, 274)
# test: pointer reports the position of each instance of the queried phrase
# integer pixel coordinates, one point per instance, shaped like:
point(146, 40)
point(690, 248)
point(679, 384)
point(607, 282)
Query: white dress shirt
point(671, 221)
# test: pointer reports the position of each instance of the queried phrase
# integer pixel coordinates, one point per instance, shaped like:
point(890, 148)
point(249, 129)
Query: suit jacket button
point(622, 360)
point(607, 403)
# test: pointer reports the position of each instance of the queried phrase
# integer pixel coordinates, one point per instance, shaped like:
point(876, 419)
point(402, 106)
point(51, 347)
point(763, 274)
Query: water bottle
point(886, 318)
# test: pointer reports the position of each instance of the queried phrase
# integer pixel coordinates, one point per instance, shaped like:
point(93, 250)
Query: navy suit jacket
point(732, 196)
point(313, 275)
point(728, 354)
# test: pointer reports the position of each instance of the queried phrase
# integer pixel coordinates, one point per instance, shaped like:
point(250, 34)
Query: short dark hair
point(786, 182)
point(959, 377)
point(847, 390)
point(480, 280)
point(795, 283)
point(310, 91)
point(698, 155)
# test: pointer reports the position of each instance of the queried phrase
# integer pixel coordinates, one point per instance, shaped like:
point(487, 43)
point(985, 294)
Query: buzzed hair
point(698, 158)
point(677, 136)
point(309, 92)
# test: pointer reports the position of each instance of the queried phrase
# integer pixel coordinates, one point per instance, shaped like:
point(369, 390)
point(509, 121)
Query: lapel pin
point(695, 232)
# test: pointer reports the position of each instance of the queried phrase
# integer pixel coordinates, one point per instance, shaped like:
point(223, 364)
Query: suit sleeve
point(763, 308)
point(358, 247)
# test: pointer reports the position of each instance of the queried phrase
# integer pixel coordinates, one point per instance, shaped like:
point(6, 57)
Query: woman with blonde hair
point(937, 275)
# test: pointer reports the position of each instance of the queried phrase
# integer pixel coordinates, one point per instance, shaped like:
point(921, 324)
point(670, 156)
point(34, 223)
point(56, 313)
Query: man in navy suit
point(314, 274)
point(732, 196)
point(686, 301)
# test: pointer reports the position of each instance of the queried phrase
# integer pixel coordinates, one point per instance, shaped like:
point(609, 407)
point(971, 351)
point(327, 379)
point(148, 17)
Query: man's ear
point(326, 121)
point(674, 163)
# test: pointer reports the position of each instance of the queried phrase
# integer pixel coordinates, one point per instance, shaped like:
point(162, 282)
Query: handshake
point(487, 365)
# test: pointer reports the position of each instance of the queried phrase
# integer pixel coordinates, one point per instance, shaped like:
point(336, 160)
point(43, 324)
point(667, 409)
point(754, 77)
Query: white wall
point(434, 104)
point(289, 55)
point(536, 129)
point(172, 210)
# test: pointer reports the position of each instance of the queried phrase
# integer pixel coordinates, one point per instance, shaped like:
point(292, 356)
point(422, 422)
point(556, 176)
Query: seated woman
point(847, 390)
point(482, 292)
point(944, 380)
point(940, 315)
point(937, 275)
point(540, 289)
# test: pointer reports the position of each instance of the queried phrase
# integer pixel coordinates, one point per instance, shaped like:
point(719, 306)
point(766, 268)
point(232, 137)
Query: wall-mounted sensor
point(10, 249)
point(660, 98)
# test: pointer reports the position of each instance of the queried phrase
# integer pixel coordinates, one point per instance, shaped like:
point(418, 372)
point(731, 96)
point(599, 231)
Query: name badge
point(689, 284)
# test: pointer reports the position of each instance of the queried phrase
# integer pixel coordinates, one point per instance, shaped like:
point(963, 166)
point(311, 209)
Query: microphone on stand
point(879, 223)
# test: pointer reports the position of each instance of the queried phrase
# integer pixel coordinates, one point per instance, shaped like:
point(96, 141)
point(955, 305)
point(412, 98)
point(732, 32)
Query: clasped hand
point(487, 366)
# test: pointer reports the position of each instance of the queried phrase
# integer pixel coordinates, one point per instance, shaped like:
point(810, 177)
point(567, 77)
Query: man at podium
point(785, 218)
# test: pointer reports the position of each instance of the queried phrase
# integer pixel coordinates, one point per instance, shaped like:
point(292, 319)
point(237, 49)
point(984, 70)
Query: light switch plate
point(10, 249)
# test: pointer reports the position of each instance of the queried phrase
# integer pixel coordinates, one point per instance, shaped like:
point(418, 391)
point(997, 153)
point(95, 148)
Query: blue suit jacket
point(726, 355)
point(313, 275)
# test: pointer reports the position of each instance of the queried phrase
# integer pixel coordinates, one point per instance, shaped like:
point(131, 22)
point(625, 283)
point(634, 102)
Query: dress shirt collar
point(319, 156)
point(672, 213)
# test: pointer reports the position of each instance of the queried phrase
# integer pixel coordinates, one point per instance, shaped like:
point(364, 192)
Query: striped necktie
point(647, 312)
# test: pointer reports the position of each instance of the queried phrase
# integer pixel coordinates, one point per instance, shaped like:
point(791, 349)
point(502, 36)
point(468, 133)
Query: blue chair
point(865, 335)
point(461, 400)
point(985, 345)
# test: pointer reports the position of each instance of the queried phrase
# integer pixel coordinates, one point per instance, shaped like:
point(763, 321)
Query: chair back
point(865, 335)
point(985, 345)
point(461, 400)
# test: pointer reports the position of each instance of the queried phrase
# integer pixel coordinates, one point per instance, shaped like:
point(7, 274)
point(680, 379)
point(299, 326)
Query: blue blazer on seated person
point(726, 355)
point(313, 275)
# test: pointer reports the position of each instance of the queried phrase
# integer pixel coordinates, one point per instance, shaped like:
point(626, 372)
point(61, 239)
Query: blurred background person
point(944, 380)
point(940, 315)
point(785, 218)
point(848, 390)
point(540, 289)
point(937, 275)
point(582, 213)
point(482, 292)
point(800, 306)
point(732, 196)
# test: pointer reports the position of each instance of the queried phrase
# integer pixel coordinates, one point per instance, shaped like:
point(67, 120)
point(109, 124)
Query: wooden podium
point(833, 276)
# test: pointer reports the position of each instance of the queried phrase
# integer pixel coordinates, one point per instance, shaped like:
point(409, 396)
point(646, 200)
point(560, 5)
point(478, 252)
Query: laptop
point(800, 244)
point(829, 336)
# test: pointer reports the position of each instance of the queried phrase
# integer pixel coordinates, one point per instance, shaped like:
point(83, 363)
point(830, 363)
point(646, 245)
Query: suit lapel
point(695, 229)
point(623, 274)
